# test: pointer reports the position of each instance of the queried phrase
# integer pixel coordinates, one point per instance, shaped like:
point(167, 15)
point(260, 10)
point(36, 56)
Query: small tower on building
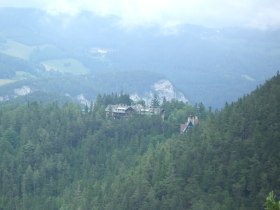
point(192, 121)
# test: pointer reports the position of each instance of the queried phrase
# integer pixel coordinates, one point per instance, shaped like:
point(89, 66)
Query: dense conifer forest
point(55, 156)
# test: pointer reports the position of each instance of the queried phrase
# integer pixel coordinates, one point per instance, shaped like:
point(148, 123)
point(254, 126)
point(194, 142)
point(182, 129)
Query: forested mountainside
point(65, 157)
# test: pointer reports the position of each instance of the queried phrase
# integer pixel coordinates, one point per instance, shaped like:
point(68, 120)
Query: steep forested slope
point(230, 161)
point(62, 157)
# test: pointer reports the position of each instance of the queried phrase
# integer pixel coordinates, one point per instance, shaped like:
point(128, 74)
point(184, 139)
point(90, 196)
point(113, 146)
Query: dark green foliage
point(155, 101)
point(53, 156)
point(113, 98)
point(64, 157)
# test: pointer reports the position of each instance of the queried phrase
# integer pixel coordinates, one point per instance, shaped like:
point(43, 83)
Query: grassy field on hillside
point(6, 81)
point(68, 65)
point(16, 49)
point(20, 75)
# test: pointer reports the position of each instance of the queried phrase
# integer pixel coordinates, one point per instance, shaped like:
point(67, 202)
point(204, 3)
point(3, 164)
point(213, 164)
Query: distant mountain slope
point(10, 65)
point(207, 64)
point(87, 87)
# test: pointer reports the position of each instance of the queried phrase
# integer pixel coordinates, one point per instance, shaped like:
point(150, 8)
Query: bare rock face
point(164, 88)
point(83, 100)
point(23, 91)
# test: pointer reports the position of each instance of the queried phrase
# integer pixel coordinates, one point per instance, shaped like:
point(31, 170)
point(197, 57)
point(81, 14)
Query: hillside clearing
point(68, 65)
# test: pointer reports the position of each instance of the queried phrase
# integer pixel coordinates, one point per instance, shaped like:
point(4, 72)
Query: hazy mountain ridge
point(84, 88)
point(209, 65)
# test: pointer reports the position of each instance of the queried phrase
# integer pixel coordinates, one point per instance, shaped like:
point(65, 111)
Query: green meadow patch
point(20, 75)
point(16, 49)
point(68, 65)
point(6, 81)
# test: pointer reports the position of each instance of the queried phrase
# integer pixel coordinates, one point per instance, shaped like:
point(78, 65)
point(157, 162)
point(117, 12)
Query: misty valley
point(88, 55)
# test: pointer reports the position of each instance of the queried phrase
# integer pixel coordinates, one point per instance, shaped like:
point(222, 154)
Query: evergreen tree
point(155, 101)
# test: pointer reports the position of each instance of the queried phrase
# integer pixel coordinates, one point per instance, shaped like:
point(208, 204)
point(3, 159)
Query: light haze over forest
point(210, 51)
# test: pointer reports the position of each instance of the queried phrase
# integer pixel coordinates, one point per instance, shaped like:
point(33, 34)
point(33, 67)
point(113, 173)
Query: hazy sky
point(219, 13)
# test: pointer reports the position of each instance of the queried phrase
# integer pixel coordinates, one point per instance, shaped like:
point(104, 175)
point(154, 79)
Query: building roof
point(183, 128)
point(192, 121)
point(138, 108)
point(118, 108)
